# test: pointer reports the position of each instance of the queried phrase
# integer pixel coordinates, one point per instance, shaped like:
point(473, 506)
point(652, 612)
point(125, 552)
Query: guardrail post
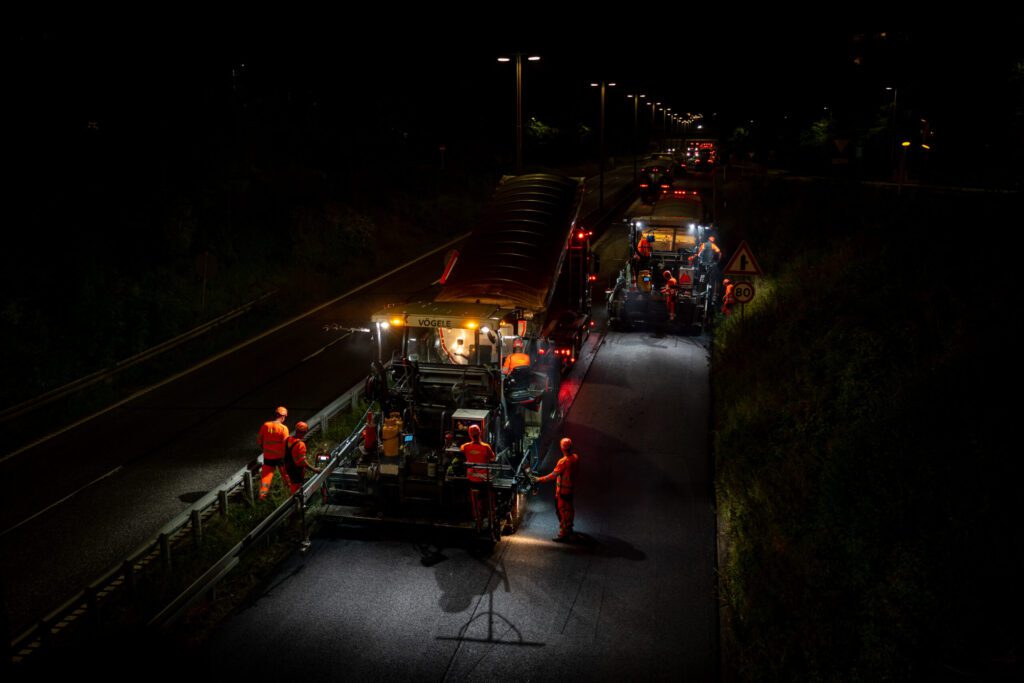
point(304, 544)
point(92, 603)
point(197, 529)
point(247, 488)
point(129, 577)
point(45, 634)
point(165, 551)
point(222, 502)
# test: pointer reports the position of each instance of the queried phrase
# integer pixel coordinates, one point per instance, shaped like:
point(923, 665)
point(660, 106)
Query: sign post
point(743, 264)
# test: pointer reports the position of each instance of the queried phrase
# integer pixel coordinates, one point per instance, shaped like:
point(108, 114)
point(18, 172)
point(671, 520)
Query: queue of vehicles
point(520, 289)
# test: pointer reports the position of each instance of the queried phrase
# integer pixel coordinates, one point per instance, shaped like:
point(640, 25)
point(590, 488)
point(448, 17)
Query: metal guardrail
point(86, 604)
point(184, 528)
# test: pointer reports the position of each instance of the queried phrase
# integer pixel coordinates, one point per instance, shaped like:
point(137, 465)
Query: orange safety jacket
point(711, 248)
point(730, 298)
point(513, 361)
point(565, 474)
point(477, 451)
point(297, 448)
point(644, 248)
point(271, 439)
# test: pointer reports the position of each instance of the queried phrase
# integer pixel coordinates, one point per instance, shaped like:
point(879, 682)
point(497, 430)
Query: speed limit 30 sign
point(744, 292)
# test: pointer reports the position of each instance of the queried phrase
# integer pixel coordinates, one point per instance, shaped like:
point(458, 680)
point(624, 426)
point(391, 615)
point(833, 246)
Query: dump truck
point(664, 240)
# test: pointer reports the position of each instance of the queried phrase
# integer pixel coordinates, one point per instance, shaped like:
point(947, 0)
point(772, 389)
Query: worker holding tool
point(565, 474)
point(295, 457)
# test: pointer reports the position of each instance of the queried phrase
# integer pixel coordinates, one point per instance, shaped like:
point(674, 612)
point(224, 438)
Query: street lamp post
point(603, 85)
point(519, 104)
point(892, 127)
point(636, 105)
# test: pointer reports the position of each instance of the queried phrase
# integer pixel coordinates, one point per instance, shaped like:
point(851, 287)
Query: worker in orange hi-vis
point(566, 476)
point(369, 434)
point(516, 359)
point(669, 290)
point(644, 247)
point(476, 450)
point(729, 298)
point(295, 457)
point(709, 252)
point(272, 437)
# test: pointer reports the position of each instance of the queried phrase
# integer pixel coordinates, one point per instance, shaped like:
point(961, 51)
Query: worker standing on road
point(729, 299)
point(476, 450)
point(271, 438)
point(669, 290)
point(295, 457)
point(565, 474)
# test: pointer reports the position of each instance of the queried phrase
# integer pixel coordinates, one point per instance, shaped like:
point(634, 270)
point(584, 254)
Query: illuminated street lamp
point(892, 124)
point(519, 104)
point(603, 85)
point(636, 104)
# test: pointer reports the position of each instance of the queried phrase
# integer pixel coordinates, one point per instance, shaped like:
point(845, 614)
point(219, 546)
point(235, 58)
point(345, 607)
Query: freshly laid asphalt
point(632, 599)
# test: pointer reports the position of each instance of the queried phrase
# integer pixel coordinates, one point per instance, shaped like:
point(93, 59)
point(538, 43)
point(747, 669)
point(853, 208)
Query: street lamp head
point(594, 85)
point(533, 59)
point(504, 59)
point(611, 85)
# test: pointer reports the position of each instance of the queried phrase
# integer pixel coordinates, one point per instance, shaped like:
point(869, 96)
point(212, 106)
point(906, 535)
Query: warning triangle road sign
point(743, 262)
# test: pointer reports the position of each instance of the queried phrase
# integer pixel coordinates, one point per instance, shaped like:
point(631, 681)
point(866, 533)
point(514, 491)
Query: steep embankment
point(866, 480)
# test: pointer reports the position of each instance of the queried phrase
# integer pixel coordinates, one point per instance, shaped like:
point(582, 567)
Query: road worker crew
point(730, 298)
point(295, 457)
point(566, 475)
point(271, 438)
point(516, 359)
point(669, 290)
point(475, 450)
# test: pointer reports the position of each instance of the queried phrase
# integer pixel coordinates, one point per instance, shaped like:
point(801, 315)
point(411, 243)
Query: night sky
point(434, 75)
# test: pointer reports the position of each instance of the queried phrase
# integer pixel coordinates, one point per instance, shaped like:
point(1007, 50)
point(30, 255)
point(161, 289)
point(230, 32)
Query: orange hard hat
point(725, 281)
point(517, 344)
point(282, 411)
point(301, 427)
point(474, 431)
point(565, 444)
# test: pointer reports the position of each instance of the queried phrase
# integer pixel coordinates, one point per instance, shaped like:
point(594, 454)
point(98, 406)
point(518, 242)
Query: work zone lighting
point(397, 322)
point(471, 325)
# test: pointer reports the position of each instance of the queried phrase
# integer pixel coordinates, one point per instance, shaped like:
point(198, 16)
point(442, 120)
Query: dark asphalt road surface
point(634, 599)
point(80, 502)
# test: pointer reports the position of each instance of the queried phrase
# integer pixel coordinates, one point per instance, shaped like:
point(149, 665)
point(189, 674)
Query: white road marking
point(65, 498)
point(212, 359)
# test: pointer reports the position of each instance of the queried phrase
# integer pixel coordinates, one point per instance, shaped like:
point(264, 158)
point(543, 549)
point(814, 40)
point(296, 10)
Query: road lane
point(634, 599)
point(171, 445)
